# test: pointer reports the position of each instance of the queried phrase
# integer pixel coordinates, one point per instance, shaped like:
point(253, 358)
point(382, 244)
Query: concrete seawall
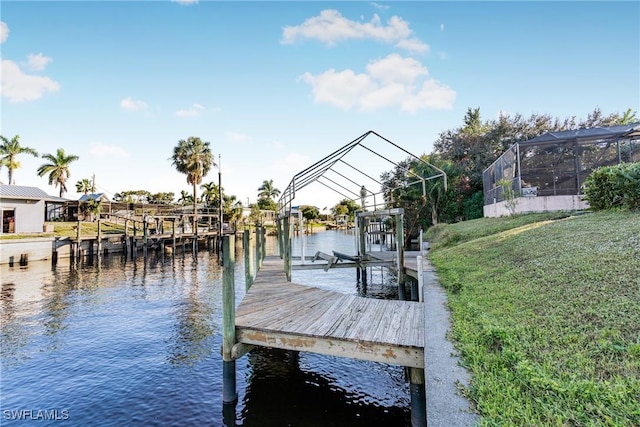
point(42, 248)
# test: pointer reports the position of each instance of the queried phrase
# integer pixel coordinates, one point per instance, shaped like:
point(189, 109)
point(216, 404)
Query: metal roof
point(93, 196)
point(27, 193)
point(611, 132)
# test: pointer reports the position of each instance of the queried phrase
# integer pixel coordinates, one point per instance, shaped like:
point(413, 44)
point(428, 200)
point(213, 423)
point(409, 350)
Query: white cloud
point(388, 82)
point(380, 6)
point(185, 2)
point(395, 68)
point(102, 150)
point(237, 137)
point(331, 27)
point(441, 27)
point(38, 62)
point(19, 87)
point(343, 89)
point(131, 104)
point(433, 95)
point(192, 111)
point(4, 32)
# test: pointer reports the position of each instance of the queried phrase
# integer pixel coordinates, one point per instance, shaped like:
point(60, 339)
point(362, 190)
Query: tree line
point(464, 153)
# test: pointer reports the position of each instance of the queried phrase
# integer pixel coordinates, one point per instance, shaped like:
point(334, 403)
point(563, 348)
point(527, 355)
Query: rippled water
point(138, 343)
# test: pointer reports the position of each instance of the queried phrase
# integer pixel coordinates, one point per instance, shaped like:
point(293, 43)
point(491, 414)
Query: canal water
point(137, 343)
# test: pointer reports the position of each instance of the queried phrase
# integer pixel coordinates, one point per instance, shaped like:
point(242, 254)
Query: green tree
point(255, 215)
point(194, 158)
point(346, 207)
point(85, 186)
point(267, 204)
point(57, 168)
point(267, 190)
point(309, 212)
point(161, 198)
point(232, 210)
point(92, 208)
point(8, 152)
point(210, 193)
point(185, 198)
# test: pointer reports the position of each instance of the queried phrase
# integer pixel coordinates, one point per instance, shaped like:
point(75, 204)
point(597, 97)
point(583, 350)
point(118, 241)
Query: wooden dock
point(276, 313)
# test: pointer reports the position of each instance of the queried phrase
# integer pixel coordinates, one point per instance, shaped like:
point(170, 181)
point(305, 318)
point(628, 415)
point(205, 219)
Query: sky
point(276, 86)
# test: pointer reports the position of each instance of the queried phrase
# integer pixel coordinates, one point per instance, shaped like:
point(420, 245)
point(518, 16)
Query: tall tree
point(161, 198)
point(57, 168)
point(185, 198)
point(194, 158)
point(8, 152)
point(85, 186)
point(267, 190)
point(210, 193)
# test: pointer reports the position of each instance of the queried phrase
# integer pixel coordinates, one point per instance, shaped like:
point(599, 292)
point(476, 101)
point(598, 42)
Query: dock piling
point(418, 398)
point(229, 393)
point(287, 247)
point(248, 259)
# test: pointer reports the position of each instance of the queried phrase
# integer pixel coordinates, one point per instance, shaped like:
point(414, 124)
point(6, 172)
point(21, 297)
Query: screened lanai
point(555, 165)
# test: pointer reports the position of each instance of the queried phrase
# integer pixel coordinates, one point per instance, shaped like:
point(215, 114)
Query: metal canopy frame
point(353, 186)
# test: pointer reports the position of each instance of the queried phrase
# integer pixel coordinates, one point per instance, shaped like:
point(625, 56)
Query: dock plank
point(280, 314)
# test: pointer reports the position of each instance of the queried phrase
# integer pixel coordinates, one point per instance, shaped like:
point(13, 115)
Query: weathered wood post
point(418, 398)
point(99, 238)
point(145, 231)
point(125, 249)
point(264, 244)
point(287, 247)
point(258, 249)
point(362, 248)
point(280, 238)
point(173, 238)
point(420, 263)
point(248, 259)
point(302, 241)
point(400, 248)
point(134, 243)
point(79, 242)
point(229, 393)
point(54, 253)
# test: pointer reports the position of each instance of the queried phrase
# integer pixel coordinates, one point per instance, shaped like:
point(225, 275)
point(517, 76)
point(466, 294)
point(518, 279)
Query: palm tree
point(210, 193)
point(193, 158)
point(58, 168)
point(185, 198)
point(267, 190)
point(9, 150)
point(85, 186)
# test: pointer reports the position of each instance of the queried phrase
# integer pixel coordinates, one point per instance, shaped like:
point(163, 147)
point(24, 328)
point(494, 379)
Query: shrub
point(610, 187)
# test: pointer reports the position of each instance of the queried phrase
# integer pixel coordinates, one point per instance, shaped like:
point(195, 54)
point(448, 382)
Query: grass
point(546, 315)
point(68, 229)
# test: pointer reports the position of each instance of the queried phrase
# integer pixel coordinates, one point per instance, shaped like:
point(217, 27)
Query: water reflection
point(280, 392)
point(137, 342)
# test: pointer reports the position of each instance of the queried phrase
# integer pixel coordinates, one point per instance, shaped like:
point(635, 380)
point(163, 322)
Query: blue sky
point(277, 86)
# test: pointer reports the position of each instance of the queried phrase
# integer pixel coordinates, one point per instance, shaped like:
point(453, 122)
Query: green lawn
point(546, 315)
point(68, 229)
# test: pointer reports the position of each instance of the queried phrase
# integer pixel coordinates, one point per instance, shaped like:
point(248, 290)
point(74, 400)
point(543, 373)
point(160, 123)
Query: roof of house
point(611, 132)
point(27, 193)
point(93, 196)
